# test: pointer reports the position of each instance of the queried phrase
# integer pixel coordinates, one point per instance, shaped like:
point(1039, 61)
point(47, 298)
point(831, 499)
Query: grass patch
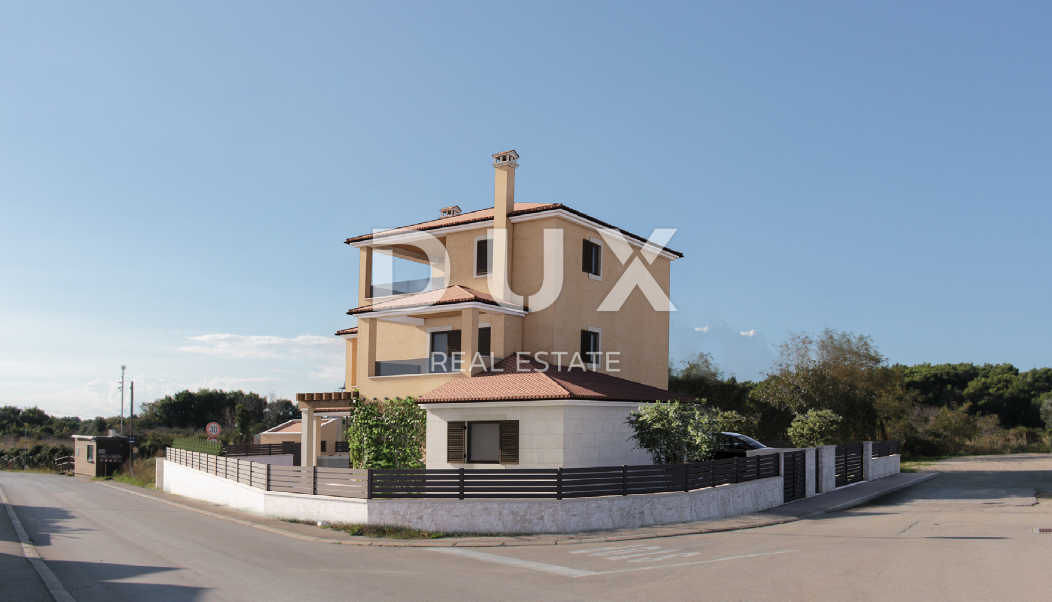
point(919, 463)
point(143, 475)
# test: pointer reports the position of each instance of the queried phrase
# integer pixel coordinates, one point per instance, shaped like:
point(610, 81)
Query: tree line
point(934, 409)
point(187, 412)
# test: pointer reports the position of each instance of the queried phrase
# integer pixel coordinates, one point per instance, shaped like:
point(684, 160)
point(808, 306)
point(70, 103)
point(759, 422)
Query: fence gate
point(794, 475)
point(848, 464)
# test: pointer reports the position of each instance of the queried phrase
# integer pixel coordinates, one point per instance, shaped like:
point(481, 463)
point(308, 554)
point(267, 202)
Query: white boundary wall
point(484, 516)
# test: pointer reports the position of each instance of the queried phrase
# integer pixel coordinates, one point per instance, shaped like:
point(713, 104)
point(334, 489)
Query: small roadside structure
point(98, 456)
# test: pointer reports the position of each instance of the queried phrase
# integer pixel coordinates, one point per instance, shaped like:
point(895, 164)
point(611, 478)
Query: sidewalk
point(814, 507)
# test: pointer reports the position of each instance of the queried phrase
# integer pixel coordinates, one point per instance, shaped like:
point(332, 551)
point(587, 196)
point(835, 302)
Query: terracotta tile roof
point(442, 296)
point(512, 151)
point(487, 214)
point(292, 426)
point(531, 381)
point(347, 331)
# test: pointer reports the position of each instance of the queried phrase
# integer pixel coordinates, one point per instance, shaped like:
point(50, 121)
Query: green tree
point(673, 432)
point(814, 428)
point(840, 372)
point(1046, 410)
point(243, 430)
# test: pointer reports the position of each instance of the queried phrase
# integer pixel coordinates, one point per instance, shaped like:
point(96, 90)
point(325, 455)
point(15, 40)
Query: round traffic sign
point(214, 439)
point(213, 428)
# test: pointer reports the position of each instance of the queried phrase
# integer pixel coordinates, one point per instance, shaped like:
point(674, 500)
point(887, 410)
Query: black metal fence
point(848, 464)
point(794, 475)
point(551, 483)
point(883, 449)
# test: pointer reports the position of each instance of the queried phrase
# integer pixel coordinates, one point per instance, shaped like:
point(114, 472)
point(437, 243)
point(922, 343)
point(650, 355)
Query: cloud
point(236, 346)
point(743, 353)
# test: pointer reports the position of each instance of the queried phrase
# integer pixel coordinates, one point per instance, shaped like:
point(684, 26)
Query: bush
point(198, 444)
point(673, 432)
point(387, 434)
point(816, 427)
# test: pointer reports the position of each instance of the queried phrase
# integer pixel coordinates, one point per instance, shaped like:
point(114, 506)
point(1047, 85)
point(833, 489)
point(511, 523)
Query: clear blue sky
point(176, 180)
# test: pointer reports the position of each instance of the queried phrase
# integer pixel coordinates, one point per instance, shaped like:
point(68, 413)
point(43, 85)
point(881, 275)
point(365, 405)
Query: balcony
point(423, 365)
point(402, 287)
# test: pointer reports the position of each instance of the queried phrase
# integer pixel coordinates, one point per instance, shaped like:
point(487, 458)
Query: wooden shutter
point(586, 256)
point(509, 441)
point(482, 256)
point(456, 442)
point(454, 342)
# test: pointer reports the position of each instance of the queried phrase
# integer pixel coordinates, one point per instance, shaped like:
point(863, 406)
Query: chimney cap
point(506, 158)
point(450, 211)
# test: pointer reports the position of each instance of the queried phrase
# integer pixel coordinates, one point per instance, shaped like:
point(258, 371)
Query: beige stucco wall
point(637, 331)
point(552, 434)
point(330, 433)
point(82, 464)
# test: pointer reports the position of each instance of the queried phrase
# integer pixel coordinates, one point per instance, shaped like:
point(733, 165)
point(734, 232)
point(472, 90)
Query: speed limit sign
point(214, 439)
point(213, 428)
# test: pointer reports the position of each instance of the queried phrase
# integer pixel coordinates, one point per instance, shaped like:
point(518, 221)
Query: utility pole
point(25, 456)
point(122, 400)
point(131, 419)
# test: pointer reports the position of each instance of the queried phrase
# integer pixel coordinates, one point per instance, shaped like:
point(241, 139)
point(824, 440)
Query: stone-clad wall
point(883, 467)
point(485, 516)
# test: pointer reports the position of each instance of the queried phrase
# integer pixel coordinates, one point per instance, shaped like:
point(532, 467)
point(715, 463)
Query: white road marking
point(525, 564)
point(58, 591)
point(666, 566)
point(574, 573)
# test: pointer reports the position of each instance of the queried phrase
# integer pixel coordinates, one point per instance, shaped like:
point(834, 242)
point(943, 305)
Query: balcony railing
point(424, 365)
point(402, 287)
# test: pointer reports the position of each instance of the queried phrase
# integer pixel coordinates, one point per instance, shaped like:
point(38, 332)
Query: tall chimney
point(503, 204)
point(504, 187)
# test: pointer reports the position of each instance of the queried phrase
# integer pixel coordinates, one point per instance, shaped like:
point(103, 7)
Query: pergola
point(315, 406)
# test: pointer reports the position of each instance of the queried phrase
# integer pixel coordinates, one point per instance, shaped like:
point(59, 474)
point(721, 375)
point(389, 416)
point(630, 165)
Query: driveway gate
point(848, 464)
point(794, 474)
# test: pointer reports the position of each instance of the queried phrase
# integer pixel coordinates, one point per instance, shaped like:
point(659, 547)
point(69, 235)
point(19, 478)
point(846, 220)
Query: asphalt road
point(967, 535)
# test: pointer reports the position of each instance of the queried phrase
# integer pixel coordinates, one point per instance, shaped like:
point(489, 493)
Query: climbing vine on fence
point(198, 444)
point(387, 434)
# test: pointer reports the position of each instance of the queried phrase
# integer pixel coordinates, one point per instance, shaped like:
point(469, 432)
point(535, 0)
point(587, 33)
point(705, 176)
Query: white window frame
point(475, 255)
point(599, 348)
point(599, 242)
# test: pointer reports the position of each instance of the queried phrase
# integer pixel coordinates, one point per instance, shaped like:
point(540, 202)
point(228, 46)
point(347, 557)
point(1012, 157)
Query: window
point(592, 258)
point(590, 346)
point(443, 345)
point(489, 442)
point(483, 256)
point(483, 442)
point(485, 346)
point(323, 446)
point(91, 453)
